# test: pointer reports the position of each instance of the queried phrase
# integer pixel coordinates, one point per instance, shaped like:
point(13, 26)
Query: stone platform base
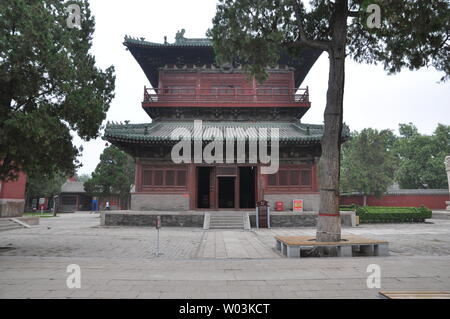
point(196, 218)
point(11, 207)
point(138, 218)
point(442, 214)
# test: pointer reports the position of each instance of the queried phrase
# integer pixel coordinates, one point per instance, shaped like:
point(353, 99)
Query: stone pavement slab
point(119, 262)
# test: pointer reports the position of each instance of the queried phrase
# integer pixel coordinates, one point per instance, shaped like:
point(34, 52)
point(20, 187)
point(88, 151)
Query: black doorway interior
point(226, 192)
point(247, 187)
point(203, 180)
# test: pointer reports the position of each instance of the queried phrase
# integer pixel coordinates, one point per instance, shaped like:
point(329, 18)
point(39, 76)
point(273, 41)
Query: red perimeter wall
point(431, 201)
point(14, 190)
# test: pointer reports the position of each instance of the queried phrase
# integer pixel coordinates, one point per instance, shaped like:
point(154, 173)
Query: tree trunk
point(329, 220)
point(365, 200)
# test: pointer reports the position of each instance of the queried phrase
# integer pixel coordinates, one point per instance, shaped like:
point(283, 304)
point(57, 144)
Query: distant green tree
point(49, 86)
point(114, 175)
point(40, 185)
point(421, 157)
point(368, 162)
point(83, 177)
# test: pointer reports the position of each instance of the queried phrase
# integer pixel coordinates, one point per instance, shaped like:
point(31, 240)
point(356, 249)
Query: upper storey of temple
point(187, 83)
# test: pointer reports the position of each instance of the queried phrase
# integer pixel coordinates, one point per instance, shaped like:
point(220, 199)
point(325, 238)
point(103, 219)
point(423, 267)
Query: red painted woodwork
point(290, 179)
point(432, 201)
point(206, 89)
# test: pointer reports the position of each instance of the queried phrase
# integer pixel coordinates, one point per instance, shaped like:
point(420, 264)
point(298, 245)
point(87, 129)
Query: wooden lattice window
point(170, 178)
point(147, 177)
point(283, 178)
point(181, 178)
point(290, 177)
point(164, 177)
point(159, 178)
point(306, 177)
point(295, 179)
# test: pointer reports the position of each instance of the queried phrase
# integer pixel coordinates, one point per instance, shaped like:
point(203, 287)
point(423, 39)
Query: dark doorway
point(247, 187)
point(203, 178)
point(226, 192)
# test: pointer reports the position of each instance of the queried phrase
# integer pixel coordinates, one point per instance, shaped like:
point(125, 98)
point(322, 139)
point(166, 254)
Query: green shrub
point(345, 208)
point(375, 214)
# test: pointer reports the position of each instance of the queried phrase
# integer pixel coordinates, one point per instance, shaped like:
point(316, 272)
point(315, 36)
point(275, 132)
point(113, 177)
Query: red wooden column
point(192, 185)
point(138, 176)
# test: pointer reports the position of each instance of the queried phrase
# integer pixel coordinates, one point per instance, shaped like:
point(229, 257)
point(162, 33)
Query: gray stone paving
point(120, 262)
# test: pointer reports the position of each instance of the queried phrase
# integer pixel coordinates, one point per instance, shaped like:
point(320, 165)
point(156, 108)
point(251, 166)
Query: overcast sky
point(372, 98)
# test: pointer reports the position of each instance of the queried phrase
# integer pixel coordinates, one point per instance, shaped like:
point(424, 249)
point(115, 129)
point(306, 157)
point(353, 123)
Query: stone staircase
point(10, 223)
point(227, 220)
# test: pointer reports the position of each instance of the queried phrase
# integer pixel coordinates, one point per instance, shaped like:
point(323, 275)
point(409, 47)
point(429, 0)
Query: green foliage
point(372, 214)
point(346, 208)
point(49, 85)
point(83, 177)
point(114, 175)
point(41, 185)
point(421, 157)
point(413, 33)
point(368, 162)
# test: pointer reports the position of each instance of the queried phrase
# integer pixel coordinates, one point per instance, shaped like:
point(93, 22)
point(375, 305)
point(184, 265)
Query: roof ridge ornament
point(179, 36)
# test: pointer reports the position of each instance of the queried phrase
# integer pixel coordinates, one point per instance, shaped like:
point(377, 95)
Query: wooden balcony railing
point(227, 95)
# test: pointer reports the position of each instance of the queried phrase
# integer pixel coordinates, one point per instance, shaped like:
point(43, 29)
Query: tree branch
point(303, 39)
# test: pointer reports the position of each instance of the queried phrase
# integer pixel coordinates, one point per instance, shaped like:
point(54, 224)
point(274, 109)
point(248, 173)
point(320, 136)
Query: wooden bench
point(291, 246)
point(415, 294)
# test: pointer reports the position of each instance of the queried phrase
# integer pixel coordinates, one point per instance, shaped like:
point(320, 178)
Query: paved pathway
point(119, 262)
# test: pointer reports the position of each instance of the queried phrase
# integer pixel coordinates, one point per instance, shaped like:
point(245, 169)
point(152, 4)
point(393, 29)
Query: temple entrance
point(203, 187)
point(226, 192)
point(226, 187)
point(247, 176)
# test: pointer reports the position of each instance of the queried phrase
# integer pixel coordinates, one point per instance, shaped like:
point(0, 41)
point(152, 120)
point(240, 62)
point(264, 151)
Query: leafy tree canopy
point(368, 162)
point(412, 34)
point(421, 157)
point(114, 175)
point(49, 85)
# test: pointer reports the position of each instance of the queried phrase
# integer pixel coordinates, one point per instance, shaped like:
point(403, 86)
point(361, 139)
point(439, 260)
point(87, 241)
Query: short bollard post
point(157, 226)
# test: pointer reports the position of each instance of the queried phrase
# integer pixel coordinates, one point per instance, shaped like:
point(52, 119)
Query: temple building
point(195, 101)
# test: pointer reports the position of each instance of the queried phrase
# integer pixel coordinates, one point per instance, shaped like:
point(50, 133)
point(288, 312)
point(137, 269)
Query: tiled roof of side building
point(162, 131)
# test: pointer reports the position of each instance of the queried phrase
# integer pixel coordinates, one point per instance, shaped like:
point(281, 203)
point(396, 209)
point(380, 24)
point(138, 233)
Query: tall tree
point(413, 33)
point(49, 85)
point(368, 162)
point(421, 157)
point(114, 175)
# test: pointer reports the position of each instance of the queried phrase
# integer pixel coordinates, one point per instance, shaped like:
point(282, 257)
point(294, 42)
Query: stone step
point(8, 224)
point(9, 227)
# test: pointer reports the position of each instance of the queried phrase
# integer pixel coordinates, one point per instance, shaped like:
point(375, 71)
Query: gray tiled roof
point(161, 131)
point(72, 187)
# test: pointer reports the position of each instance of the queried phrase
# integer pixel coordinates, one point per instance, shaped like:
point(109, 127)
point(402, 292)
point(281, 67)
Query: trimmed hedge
point(375, 214)
point(345, 208)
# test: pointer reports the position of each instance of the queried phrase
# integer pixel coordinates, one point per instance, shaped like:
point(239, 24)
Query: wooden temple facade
point(188, 87)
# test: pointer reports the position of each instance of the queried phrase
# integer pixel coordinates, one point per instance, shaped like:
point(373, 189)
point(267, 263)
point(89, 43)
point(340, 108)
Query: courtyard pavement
point(120, 262)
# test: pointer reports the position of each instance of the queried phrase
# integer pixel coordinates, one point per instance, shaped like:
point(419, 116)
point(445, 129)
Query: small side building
point(73, 197)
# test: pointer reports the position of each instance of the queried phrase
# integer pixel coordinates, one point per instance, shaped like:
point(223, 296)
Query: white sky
point(372, 98)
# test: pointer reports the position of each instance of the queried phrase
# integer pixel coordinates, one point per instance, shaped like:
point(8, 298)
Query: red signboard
point(297, 205)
